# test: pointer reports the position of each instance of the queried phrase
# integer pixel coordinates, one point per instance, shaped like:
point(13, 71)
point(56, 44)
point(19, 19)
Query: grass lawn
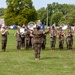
point(55, 62)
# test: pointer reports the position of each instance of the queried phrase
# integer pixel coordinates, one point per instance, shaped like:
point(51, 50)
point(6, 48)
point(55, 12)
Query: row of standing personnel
point(26, 39)
point(37, 39)
point(61, 36)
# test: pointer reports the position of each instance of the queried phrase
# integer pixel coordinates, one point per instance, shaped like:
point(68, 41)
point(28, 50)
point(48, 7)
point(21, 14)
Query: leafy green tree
point(62, 20)
point(53, 8)
point(20, 11)
point(2, 11)
point(69, 18)
point(56, 17)
point(42, 14)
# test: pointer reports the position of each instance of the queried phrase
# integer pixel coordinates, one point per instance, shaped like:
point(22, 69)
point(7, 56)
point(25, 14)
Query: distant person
point(69, 38)
point(43, 43)
point(27, 38)
point(4, 34)
point(61, 36)
point(22, 33)
point(15, 26)
point(18, 39)
point(23, 26)
point(53, 34)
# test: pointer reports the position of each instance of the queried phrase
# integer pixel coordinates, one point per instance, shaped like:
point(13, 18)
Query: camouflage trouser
point(18, 45)
point(69, 43)
point(4, 42)
point(53, 45)
point(30, 41)
point(43, 44)
point(61, 42)
point(27, 43)
point(37, 49)
point(23, 41)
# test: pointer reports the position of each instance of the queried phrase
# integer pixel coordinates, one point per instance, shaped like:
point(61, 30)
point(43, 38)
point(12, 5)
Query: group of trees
point(23, 11)
point(58, 13)
point(2, 11)
point(19, 11)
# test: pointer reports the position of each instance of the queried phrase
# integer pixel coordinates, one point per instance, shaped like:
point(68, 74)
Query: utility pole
point(47, 15)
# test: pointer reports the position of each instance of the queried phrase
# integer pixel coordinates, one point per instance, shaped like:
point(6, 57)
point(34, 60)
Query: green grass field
point(55, 62)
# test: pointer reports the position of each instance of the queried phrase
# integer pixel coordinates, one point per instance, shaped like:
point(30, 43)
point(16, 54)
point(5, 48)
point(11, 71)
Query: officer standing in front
point(37, 42)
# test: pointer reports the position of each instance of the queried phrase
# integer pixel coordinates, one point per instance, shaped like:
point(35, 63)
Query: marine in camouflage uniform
point(23, 40)
point(4, 38)
point(69, 38)
point(31, 38)
point(23, 35)
point(43, 42)
point(37, 42)
point(61, 36)
point(27, 38)
point(18, 39)
point(52, 34)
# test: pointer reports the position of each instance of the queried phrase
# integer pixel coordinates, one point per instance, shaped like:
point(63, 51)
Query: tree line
point(2, 12)
point(23, 11)
point(58, 13)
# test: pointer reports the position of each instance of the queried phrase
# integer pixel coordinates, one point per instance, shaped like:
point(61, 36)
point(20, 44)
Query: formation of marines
point(36, 39)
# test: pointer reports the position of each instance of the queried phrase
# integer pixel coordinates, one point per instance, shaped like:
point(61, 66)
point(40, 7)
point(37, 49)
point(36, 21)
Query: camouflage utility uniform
point(27, 39)
point(61, 39)
point(69, 39)
point(52, 35)
point(18, 39)
point(23, 40)
point(37, 42)
point(4, 39)
point(43, 41)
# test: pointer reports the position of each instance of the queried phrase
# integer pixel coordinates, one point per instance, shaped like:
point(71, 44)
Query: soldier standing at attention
point(18, 39)
point(69, 38)
point(61, 36)
point(37, 42)
point(52, 35)
point(4, 38)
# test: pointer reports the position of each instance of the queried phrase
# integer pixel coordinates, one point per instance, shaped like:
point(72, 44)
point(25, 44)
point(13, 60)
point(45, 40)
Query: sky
point(41, 3)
